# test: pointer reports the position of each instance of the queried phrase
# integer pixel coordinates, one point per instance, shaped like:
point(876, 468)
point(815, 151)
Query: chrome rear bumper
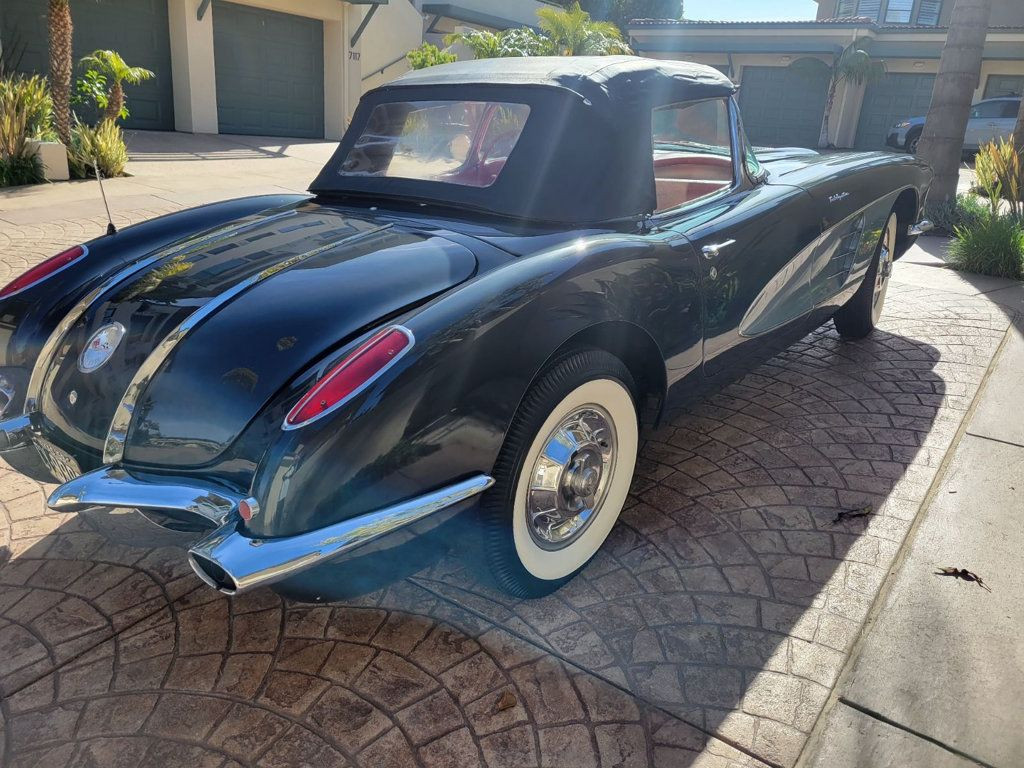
point(226, 558)
point(231, 562)
point(15, 433)
point(110, 487)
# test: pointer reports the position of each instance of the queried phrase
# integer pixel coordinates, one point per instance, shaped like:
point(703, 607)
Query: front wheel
point(563, 474)
point(913, 140)
point(859, 316)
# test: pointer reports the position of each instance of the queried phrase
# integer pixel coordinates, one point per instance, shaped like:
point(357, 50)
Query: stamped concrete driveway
point(709, 631)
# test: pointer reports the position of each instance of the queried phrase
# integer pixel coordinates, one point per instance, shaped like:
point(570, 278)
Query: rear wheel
point(563, 474)
point(859, 316)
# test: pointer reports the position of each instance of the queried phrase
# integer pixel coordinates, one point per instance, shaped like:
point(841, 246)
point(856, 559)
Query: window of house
point(899, 11)
point(846, 8)
point(869, 8)
point(929, 13)
point(692, 145)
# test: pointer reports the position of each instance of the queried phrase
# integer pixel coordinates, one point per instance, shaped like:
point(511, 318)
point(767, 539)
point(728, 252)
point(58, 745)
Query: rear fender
point(441, 413)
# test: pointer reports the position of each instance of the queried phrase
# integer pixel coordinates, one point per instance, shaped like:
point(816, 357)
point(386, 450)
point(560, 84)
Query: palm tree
point(852, 65)
point(113, 67)
point(942, 141)
point(573, 33)
point(59, 18)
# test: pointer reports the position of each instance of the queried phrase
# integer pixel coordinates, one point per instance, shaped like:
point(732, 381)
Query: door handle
point(714, 251)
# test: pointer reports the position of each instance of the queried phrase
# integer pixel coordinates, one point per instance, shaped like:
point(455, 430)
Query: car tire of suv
point(563, 473)
point(913, 139)
point(859, 316)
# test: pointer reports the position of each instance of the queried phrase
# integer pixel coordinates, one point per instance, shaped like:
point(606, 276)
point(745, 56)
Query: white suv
point(990, 119)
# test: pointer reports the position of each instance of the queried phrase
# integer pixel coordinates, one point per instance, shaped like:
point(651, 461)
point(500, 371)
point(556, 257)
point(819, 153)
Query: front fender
point(442, 412)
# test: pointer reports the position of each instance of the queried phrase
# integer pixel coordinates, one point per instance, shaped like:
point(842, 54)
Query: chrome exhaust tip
point(231, 562)
point(212, 574)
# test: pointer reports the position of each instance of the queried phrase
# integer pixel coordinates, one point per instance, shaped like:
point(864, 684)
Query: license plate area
point(60, 463)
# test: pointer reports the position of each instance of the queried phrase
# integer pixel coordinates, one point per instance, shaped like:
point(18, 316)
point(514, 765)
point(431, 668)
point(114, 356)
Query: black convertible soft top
point(584, 156)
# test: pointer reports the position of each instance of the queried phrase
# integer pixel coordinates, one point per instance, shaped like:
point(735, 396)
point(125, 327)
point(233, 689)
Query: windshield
point(455, 142)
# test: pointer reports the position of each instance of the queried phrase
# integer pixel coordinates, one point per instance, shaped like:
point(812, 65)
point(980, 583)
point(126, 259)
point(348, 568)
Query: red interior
point(682, 177)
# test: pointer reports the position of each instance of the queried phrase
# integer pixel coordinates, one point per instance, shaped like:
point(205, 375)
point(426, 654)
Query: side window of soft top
point(692, 147)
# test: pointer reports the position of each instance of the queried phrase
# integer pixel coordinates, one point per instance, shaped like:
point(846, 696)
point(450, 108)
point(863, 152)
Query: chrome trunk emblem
point(100, 347)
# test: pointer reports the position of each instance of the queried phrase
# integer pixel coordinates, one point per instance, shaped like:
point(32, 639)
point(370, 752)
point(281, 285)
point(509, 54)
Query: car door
point(755, 240)
point(982, 126)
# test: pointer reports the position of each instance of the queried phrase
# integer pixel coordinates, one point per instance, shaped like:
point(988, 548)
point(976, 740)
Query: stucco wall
point(394, 30)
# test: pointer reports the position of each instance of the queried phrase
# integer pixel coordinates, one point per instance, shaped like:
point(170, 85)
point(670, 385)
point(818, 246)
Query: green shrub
point(35, 94)
point(427, 55)
point(24, 169)
point(966, 211)
point(1000, 171)
point(992, 246)
point(21, 102)
point(101, 146)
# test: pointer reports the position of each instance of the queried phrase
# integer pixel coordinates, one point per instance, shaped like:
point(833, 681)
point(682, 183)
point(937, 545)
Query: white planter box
point(54, 158)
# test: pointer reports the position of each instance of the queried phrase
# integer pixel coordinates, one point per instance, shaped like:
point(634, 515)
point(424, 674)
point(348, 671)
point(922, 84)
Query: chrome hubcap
point(569, 480)
point(884, 271)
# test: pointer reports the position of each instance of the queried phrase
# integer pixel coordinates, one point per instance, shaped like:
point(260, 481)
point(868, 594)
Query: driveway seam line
point(810, 745)
point(917, 734)
point(994, 439)
point(423, 584)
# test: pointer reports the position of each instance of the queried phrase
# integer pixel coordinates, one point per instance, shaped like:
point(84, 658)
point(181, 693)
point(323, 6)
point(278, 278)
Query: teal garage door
point(782, 107)
point(137, 29)
point(270, 72)
point(893, 98)
point(1004, 85)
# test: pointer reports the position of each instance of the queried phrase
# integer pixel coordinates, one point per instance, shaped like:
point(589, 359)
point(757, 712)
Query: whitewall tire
point(563, 474)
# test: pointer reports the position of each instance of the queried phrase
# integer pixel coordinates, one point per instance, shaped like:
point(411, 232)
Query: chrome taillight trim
point(285, 426)
point(48, 275)
point(113, 446)
point(46, 362)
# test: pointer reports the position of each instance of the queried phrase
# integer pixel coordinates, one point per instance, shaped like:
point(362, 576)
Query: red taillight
point(44, 269)
point(365, 363)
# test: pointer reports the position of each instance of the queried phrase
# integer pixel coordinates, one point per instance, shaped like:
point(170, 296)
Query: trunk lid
point(280, 292)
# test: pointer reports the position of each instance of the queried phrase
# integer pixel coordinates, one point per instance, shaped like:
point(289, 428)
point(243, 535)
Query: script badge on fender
point(100, 347)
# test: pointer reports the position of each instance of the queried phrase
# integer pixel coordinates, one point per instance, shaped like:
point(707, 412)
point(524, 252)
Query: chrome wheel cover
point(884, 271)
point(570, 478)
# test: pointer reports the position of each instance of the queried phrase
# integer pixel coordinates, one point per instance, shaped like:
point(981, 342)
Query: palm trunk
point(59, 16)
point(115, 101)
point(942, 141)
point(823, 142)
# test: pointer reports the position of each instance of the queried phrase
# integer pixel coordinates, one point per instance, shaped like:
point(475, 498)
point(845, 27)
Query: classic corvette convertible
point(502, 266)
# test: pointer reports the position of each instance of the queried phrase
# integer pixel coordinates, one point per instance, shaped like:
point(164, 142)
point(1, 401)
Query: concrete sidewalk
point(937, 677)
point(176, 170)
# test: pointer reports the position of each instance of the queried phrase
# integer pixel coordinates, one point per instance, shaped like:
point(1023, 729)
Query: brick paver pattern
point(709, 631)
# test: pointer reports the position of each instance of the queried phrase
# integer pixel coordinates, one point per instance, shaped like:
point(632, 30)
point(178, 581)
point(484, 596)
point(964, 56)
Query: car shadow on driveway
point(725, 602)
